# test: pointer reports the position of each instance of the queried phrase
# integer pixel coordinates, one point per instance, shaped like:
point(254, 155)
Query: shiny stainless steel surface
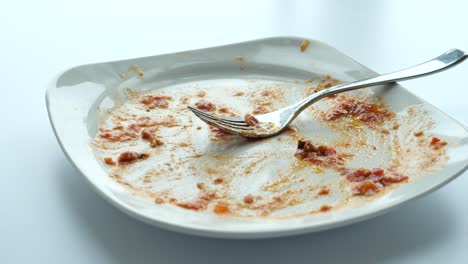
point(281, 118)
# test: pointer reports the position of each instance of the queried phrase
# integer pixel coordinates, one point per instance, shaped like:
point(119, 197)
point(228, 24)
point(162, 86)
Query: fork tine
point(222, 125)
point(199, 112)
point(214, 122)
point(218, 125)
point(226, 119)
point(219, 119)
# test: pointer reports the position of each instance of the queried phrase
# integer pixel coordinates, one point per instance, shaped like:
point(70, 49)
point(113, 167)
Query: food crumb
point(201, 94)
point(319, 155)
point(367, 188)
point(200, 186)
point(385, 131)
point(260, 110)
point(239, 58)
point(249, 199)
point(251, 120)
point(239, 94)
point(395, 126)
point(325, 208)
point(324, 190)
point(224, 110)
point(109, 161)
point(184, 99)
point(205, 105)
point(131, 156)
point(159, 200)
point(266, 93)
point(435, 140)
point(137, 71)
point(418, 134)
point(304, 45)
point(438, 143)
point(211, 171)
point(218, 181)
point(156, 101)
point(152, 138)
point(221, 208)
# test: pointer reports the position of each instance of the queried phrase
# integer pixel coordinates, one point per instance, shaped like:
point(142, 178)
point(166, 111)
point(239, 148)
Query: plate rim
point(246, 234)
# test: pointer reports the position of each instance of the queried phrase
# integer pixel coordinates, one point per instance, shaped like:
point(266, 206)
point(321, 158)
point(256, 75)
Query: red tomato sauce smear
point(361, 110)
point(318, 155)
point(370, 182)
point(205, 105)
point(152, 101)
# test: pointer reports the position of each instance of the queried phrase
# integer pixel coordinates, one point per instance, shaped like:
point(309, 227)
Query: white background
point(48, 213)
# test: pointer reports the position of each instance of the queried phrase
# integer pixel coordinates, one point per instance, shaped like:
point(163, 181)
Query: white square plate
point(74, 97)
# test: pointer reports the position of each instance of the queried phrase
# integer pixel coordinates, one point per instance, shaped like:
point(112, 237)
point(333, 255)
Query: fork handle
point(443, 62)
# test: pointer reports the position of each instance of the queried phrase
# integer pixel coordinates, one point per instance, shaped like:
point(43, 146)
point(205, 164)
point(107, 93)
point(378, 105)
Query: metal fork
point(278, 120)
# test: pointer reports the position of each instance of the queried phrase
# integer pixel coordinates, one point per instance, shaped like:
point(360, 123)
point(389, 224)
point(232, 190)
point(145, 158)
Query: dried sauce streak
point(361, 110)
point(205, 105)
point(200, 203)
point(146, 121)
point(217, 134)
point(131, 156)
point(120, 134)
point(326, 82)
point(373, 181)
point(132, 131)
point(319, 155)
point(201, 94)
point(151, 137)
point(264, 103)
point(226, 111)
point(159, 101)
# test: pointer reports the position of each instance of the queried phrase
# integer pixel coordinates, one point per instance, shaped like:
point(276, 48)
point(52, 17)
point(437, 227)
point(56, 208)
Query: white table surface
point(48, 212)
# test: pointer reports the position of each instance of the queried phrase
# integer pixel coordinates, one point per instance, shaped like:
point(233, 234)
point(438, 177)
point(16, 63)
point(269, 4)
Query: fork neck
point(441, 63)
